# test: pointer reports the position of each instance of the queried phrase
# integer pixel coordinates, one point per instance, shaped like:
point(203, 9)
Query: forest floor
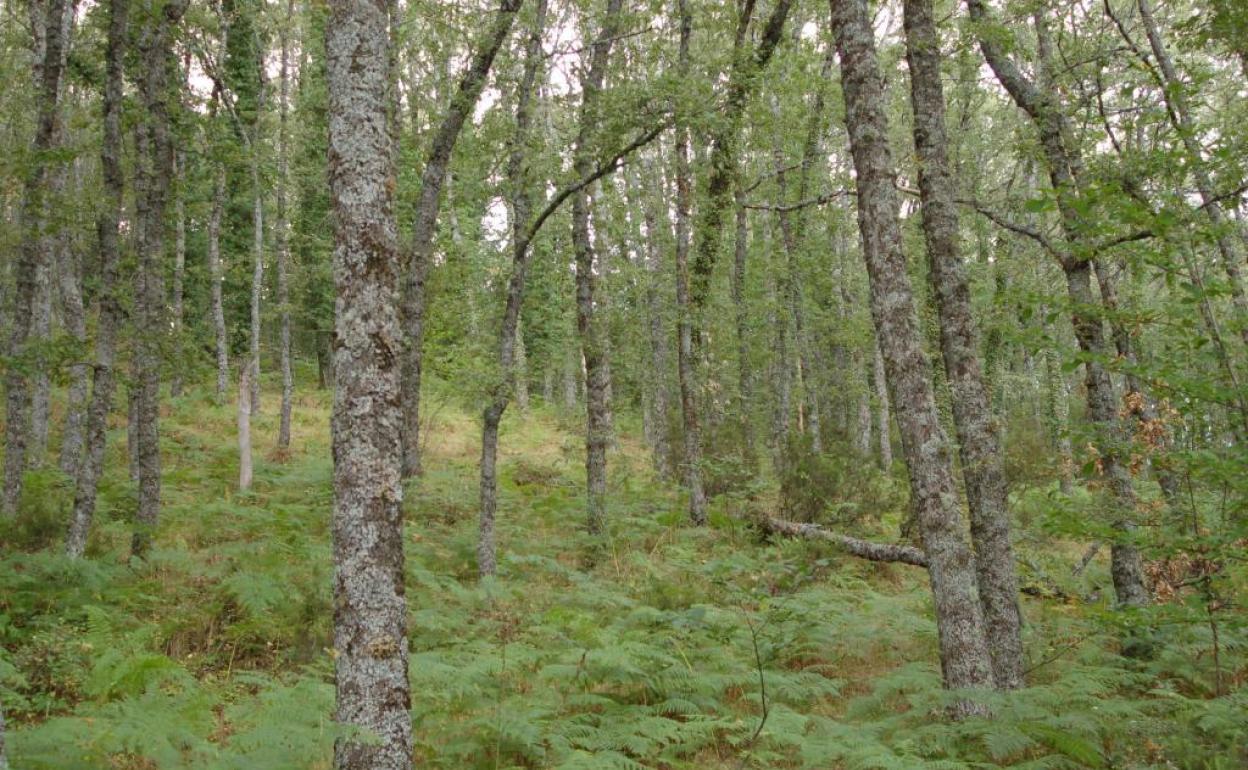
point(673, 648)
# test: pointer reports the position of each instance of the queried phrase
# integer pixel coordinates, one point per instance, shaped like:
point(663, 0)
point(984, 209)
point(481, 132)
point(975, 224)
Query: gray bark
point(660, 345)
point(684, 350)
point(73, 314)
point(978, 441)
point(589, 323)
point(370, 615)
point(419, 251)
point(883, 416)
point(282, 231)
point(1065, 166)
point(863, 549)
point(745, 395)
point(32, 258)
point(964, 654)
point(217, 277)
point(179, 273)
point(155, 172)
point(257, 276)
point(244, 428)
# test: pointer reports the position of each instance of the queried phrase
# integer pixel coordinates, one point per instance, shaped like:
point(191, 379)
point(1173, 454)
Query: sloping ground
point(673, 648)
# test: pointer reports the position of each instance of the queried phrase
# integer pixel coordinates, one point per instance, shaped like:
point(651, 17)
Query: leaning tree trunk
point(588, 325)
point(979, 444)
point(518, 177)
point(1064, 167)
point(964, 654)
point(32, 256)
point(370, 617)
point(420, 251)
point(110, 320)
point(155, 173)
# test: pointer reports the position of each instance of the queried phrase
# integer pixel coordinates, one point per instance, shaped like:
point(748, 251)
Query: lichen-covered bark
point(370, 608)
point(963, 649)
point(419, 252)
point(588, 323)
point(33, 255)
point(978, 442)
point(883, 415)
point(1064, 166)
point(107, 224)
point(153, 177)
point(74, 317)
point(863, 549)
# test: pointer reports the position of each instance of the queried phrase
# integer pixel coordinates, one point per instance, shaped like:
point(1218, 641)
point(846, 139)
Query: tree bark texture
point(589, 325)
point(978, 442)
point(370, 607)
point(179, 274)
point(883, 415)
point(244, 428)
point(964, 653)
point(282, 231)
point(216, 275)
point(31, 262)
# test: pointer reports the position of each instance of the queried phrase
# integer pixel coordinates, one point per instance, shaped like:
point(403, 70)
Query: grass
point(215, 653)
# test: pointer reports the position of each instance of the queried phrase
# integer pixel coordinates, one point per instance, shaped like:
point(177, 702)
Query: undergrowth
point(678, 648)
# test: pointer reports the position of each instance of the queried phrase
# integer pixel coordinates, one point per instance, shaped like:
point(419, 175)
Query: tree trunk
point(370, 616)
point(179, 272)
point(244, 427)
point(257, 277)
point(588, 324)
point(684, 350)
point(69, 275)
point(216, 277)
point(32, 257)
point(1064, 166)
point(522, 369)
point(155, 172)
point(110, 319)
point(519, 179)
point(745, 394)
point(660, 347)
point(41, 329)
point(883, 418)
point(419, 252)
point(965, 660)
point(282, 233)
point(978, 441)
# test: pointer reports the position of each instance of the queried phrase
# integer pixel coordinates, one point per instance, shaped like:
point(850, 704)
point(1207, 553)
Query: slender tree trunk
point(588, 324)
point(282, 234)
point(660, 348)
point(244, 427)
point(519, 179)
point(179, 272)
point(69, 270)
point(569, 381)
point(978, 441)
point(522, 369)
point(419, 252)
point(684, 351)
point(370, 616)
point(32, 258)
point(41, 329)
point(217, 278)
point(964, 654)
point(257, 277)
point(156, 172)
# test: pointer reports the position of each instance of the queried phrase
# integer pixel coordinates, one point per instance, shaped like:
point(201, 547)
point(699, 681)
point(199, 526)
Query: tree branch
point(864, 549)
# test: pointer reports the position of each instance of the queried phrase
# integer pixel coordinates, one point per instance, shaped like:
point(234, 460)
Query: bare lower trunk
point(569, 382)
point(883, 418)
point(684, 351)
point(862, 420)
point(155, 173)
point(282, 233)
point(978, 442)
point(522, 370)
point(660, 346)
point(964, 654)
point(110, 320)
point(20, 441)
point(257, 282)
point(179, 272)
point(216, 277)
point(370, 610)
point(745, 395)
point(588, 321)
point(244, 427)
point(41, 329)
point(74, 315)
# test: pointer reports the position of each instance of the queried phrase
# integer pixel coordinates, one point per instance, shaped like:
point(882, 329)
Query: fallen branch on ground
point(864, 549)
